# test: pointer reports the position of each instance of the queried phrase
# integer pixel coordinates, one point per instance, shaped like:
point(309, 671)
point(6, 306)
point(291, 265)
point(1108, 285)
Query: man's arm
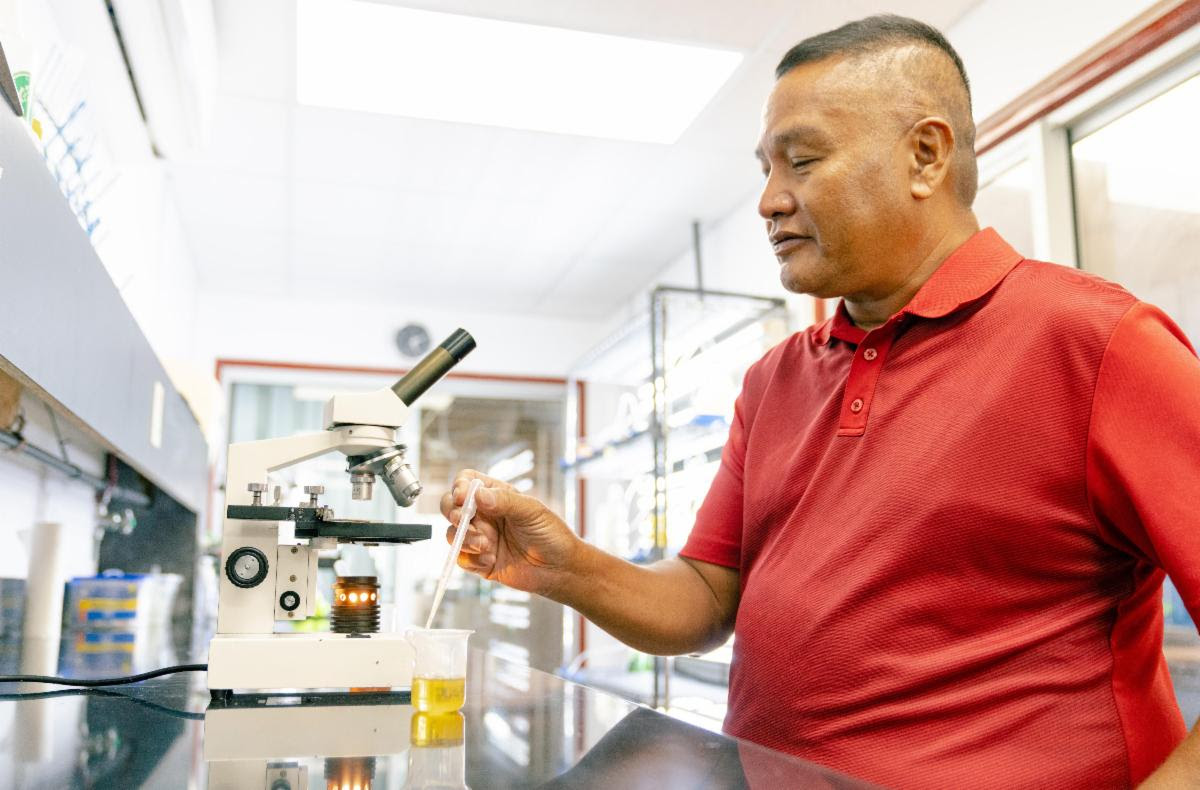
point(1182, 768)
point(1142, 476)
point(670, 607)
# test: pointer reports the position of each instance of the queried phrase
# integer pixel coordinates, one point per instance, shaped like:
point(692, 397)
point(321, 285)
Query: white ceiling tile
point(210, 196)
point(248, 136)
point(332, 255)
point(474, 217)
point(227, 255)
point(362, 148)
point(723, 24)
point(321, 207)
point(256, 43)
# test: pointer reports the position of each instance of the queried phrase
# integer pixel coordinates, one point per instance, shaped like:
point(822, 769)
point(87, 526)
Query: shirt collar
point(969, 273)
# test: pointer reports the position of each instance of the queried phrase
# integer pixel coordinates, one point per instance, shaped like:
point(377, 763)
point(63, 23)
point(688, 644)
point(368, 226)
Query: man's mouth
point(783, 243)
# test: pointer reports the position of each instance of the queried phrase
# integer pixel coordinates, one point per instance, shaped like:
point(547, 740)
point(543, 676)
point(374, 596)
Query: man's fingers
point(462, 483)
point(473, 543)
point(502, 502)
point(479, 524)
point(480, 564)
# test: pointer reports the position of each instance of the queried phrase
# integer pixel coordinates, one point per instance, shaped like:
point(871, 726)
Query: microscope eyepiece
point(436, 364)
point(459, 344)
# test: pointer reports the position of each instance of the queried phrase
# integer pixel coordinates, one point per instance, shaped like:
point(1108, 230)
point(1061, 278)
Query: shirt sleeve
point(716, 536)
point(1143, 454)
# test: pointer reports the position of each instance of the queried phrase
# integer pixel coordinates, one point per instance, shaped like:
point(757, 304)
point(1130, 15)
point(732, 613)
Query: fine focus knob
point(257, 490)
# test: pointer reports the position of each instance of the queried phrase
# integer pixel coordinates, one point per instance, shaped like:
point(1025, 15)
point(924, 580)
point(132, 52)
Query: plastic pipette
point(464, 521)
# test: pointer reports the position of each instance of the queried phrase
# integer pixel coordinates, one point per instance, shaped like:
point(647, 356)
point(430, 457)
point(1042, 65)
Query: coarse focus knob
point(246, 567)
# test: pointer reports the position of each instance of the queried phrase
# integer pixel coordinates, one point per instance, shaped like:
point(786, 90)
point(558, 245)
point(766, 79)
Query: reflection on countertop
point(519, 728)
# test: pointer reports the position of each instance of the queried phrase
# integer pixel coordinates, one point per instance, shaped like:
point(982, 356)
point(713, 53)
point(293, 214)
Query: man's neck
point(868, 313)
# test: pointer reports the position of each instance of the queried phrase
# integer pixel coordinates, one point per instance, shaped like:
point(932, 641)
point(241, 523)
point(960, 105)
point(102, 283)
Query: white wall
point(147, 256)
point(1008, 46)
point(359, 329)
point(31, 494)
point(139, 238)
point(736, 256)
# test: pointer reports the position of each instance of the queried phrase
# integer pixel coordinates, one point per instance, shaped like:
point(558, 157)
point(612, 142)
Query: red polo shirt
point(952, 532)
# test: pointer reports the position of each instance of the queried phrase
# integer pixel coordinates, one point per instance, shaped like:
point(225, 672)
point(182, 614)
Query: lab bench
point(519, 728)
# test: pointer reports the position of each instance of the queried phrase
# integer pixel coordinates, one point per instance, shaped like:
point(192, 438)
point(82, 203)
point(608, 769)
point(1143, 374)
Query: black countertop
point(519, 728)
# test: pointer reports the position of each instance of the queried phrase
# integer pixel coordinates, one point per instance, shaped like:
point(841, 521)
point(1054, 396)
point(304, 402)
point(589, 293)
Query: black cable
point(176, 712)
point(117, 681)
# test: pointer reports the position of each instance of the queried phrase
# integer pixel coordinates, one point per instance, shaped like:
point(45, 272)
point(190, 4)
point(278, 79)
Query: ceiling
point(291, 199)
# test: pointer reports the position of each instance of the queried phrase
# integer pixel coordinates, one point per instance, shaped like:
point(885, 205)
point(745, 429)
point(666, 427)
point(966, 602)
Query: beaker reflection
point(438, 757)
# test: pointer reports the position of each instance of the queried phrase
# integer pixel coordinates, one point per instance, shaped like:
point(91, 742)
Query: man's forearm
point(1181, 769)
point(666, 608)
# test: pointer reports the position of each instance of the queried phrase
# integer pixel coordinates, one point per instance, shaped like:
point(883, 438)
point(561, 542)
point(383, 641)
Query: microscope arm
point(250, 462)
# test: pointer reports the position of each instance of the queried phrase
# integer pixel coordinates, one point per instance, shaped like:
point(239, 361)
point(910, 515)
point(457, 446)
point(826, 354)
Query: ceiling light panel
point(380, 58)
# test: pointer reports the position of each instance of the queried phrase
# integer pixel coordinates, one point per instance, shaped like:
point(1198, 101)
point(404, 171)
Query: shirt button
point(856, 406)
point(870, 354)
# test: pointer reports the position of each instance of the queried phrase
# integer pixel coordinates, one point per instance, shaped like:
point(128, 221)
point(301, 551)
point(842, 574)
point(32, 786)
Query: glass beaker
point(439, 668)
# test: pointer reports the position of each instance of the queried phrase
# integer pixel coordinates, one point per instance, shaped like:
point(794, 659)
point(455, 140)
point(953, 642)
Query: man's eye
point(798, 164)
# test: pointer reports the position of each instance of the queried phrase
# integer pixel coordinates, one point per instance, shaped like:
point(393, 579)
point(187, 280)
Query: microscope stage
point(310, 523)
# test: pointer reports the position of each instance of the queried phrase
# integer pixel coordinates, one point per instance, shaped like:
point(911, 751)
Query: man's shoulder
point(1052, 291)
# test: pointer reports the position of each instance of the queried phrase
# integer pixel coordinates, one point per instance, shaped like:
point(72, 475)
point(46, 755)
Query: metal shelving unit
point(653, 427)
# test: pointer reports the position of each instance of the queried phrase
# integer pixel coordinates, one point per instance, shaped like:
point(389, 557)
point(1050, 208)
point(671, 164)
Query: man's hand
point(513, 539)
point(672, 606)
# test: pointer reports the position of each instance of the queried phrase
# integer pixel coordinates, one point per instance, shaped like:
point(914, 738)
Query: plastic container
point(108, 601)
point(439, 668)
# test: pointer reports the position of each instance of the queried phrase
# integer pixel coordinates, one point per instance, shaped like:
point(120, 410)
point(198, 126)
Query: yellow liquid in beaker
point(438, 695)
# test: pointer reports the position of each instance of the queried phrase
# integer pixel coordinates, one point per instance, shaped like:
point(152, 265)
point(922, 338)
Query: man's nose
point(775, 201)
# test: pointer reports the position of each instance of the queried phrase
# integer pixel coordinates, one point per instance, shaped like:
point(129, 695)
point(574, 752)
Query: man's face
point(837, 203)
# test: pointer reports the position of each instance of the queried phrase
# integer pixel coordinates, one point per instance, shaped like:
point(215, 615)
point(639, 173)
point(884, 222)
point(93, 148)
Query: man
point(942, 518)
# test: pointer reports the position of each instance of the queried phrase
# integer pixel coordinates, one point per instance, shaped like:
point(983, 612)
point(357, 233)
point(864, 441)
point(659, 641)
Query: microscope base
point(243, 745)
point(254, 662)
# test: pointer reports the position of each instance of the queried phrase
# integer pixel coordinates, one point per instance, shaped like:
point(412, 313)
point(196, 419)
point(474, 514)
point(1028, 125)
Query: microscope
point(269, 550)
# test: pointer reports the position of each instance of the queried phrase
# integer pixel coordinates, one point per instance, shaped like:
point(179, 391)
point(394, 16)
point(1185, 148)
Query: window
point(1137, 209)
point(1004, 202)
point(1138, 202)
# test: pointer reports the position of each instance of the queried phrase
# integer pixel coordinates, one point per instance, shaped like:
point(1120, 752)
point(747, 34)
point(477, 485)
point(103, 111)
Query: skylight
point(380, 58)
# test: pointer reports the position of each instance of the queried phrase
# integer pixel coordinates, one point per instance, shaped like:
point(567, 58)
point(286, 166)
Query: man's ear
point(931, 149)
